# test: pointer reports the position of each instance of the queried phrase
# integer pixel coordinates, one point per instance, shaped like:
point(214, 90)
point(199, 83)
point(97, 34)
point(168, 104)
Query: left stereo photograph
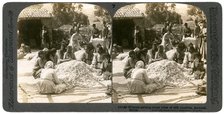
point(63, 54)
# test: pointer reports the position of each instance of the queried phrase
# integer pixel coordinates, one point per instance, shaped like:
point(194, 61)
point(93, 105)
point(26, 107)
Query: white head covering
point(45, 49)
point(49, 64)
point(139, 64)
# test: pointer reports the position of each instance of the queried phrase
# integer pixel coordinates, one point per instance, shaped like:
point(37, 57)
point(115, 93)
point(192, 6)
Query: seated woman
point(139, 80)
point(69, 55)
point(49, 82)
point(160, 54)
point(39, 64)
point(130, 64)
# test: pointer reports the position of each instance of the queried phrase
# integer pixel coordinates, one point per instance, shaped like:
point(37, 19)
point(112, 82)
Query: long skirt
point(49, 87)
point(136, 86)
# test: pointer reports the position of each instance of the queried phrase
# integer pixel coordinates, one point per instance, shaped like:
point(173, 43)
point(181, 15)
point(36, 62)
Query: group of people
point(189, 56)
point(48, 59)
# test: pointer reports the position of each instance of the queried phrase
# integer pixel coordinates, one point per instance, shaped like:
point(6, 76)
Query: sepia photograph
point(112, 56)
point(159, 54)
point(64, 54)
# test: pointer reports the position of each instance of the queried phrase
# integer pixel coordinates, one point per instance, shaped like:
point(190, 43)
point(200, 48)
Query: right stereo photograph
point(159, 54)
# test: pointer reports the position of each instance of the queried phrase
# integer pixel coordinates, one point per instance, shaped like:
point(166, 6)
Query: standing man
point(137, 36)
point(164, 29)
point(73, 29)
point(187, 31)
point(203, 36)
point(105, 30)
point(166, 40)
point(196, 35)
point(105, 36)
point(75, 40)
point(45, 41)
point(95, 32)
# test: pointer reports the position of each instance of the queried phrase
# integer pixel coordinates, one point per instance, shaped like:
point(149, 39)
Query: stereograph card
point(116, 57)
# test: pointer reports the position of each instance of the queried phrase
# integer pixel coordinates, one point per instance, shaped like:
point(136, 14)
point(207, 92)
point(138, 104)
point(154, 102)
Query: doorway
point(30, 33)
point(123, 33)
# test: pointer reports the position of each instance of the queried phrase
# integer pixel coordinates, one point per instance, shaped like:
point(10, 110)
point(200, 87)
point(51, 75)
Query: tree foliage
point(100, 12)
point(196, 13)
point(173, 6)
point(193, 11)
point(67, 13)
point(158, 13)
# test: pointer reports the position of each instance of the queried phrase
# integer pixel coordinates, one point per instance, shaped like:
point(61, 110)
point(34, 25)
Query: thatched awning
point(128, 12)
point(35, 12)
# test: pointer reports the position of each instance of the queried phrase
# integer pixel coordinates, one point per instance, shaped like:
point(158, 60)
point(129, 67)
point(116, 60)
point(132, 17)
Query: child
point(189, 57)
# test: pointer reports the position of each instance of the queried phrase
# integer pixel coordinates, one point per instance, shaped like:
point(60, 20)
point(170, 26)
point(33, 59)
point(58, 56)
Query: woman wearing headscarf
point(140, 83)
point(139, 80)
point(49, 82)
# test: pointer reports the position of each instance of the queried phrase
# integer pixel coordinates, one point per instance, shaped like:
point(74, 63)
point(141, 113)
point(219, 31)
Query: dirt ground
point(27, 91)
point(165, 95)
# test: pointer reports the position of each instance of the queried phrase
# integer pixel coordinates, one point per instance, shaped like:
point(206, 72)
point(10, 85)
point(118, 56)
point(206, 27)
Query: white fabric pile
point(122, 56)
point(170, 54)
point(97, 41)
point(189, 40)
point(76, 73)
point(79, 54)
point(167, 73)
